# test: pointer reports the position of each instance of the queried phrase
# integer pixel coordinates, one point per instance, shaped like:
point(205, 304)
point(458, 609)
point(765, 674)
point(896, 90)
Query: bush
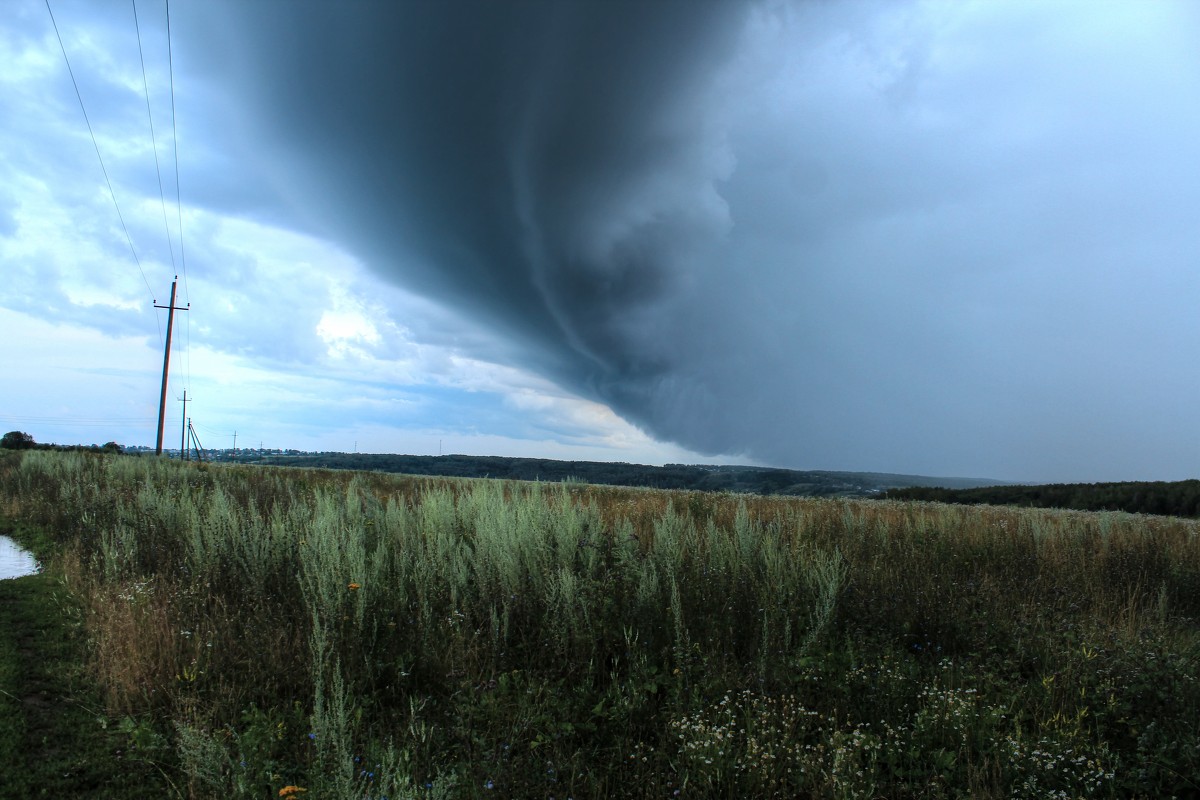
point(17, 440)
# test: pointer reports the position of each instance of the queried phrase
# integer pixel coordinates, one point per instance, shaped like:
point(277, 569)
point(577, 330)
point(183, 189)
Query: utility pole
point(183, 451)
point(235, 445)
point(196, 440)
point(162, 400)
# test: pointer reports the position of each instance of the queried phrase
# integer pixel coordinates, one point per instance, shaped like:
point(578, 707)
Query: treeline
point(707, 478)
point(19, 440)
point(1176, 498)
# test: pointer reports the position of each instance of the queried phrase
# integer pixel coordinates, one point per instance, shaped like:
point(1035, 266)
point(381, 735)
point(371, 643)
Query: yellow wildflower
point(354, 586)
point(288, 791)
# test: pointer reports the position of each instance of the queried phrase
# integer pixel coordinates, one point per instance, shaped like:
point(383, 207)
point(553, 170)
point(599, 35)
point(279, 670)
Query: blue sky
point(948, 238)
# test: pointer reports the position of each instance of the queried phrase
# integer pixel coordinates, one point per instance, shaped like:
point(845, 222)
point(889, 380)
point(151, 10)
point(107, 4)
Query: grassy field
point(255, 631)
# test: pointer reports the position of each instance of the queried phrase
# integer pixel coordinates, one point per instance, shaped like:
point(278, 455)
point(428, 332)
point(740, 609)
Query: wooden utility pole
point(162, 400)
point(183, 451)
point(196, 440)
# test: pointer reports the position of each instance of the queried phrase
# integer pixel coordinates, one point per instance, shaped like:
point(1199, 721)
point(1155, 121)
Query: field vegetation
point(257, 632)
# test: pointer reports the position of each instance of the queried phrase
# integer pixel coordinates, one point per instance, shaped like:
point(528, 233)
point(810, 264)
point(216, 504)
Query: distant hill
point(698, 477)
point(1174, 498)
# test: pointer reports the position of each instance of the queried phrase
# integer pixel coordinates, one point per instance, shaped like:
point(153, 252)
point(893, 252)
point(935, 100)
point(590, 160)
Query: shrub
point(17, 440)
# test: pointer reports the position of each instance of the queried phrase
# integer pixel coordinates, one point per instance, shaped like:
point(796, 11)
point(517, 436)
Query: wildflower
point(354, 586)
point(289, 791)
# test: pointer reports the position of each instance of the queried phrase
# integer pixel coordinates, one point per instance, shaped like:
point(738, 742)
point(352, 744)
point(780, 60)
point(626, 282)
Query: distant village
point(225, 454)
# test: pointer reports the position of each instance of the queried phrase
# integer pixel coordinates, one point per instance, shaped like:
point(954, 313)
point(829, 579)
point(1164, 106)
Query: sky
point(940, 238)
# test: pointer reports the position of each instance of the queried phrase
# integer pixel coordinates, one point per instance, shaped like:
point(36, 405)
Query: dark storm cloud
point(524, 160)
point(881, 236)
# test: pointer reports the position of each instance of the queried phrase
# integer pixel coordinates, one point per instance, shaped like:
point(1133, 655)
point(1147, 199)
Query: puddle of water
point(15, 562)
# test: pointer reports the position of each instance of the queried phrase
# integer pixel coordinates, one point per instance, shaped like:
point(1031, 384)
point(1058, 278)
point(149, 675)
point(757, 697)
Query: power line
point(92, 133)
point(187, 295)
point(214, 431)
point(175, 140)
point(79, 421)
point(153, 139)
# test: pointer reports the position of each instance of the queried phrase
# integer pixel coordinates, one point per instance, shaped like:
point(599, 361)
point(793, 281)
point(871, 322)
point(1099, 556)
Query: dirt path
point(54, 738)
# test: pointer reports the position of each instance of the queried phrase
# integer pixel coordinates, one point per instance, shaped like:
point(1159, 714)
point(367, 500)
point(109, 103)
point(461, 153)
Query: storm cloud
point(944, 238)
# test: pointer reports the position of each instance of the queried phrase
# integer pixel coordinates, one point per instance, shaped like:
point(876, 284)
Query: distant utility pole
point(235, 445)
point(162, 400)
point(196, 440)
point(183, 451)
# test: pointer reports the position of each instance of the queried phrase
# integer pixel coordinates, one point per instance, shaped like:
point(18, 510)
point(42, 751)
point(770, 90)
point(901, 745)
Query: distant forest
point(1178, 498)
point(750, 480)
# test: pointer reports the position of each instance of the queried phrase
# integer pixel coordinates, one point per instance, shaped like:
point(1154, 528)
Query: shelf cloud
point(940, 237)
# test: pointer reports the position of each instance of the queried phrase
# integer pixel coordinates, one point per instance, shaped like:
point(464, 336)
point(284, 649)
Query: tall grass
point(363, 635)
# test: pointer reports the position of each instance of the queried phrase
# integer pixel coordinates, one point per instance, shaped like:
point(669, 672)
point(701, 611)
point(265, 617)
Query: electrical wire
point(214, 432)
point(153, 139)
point(93, 422)
point(175, 140)
point(100, 158)
point(187, 295)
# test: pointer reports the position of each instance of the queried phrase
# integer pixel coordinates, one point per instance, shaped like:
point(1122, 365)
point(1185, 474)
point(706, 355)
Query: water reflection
point(15, 562)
